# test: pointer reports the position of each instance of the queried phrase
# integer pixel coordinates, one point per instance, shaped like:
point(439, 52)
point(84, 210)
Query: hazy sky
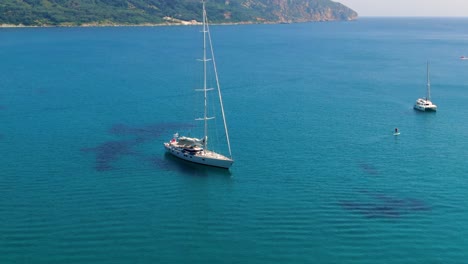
point(408, 7)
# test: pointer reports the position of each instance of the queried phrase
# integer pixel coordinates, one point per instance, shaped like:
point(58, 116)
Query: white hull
point(425, 105)
point(425, 109)
point(205, 157)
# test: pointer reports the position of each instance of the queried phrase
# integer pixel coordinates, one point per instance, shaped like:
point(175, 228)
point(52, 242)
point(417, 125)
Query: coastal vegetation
point(138, 12)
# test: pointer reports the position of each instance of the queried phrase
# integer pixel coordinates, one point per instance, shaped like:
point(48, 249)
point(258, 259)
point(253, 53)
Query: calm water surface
point(318, 176)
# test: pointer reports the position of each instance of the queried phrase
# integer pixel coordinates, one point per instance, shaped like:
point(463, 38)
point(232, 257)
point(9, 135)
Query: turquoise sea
point(318, 175)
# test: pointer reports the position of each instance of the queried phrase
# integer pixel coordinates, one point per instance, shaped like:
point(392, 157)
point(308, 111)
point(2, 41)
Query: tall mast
point(207, 37)
point(219, 92)
point(205, 141)
point(428, 95)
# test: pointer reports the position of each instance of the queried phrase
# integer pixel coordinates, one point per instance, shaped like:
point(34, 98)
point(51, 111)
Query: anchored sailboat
point(196, 149)
point(425, 103)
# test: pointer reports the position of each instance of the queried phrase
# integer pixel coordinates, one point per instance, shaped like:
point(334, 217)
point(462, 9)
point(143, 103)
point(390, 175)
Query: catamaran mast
point(428, 95)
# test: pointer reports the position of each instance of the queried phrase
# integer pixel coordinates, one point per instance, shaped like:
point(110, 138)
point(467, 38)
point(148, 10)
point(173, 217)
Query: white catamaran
point(196, 149)
point(425, 103)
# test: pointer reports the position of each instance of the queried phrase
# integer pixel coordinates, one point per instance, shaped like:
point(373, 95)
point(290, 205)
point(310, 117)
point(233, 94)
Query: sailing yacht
point(425, 104)
point(197, 150)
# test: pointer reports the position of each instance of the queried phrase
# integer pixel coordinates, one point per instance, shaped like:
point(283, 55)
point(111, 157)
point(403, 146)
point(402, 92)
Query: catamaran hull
point(199, 158)
point(425, 109)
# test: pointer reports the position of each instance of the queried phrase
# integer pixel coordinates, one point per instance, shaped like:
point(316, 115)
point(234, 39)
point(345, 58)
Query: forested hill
point(135, 12)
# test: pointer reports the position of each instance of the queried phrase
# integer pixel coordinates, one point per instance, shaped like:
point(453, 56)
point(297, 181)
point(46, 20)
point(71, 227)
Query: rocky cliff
point(287, 11)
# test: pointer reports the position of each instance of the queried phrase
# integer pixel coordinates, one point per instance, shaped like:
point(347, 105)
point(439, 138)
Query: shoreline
point(95, 25)
point(185, 23)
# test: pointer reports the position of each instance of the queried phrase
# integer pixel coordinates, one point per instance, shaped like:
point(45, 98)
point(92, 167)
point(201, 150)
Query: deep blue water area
point(311, 108)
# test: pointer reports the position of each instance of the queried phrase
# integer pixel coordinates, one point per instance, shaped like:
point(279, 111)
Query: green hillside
point(131, 12)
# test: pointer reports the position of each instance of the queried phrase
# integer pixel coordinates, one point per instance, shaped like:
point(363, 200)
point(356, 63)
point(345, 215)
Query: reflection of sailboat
point(425, 103)
point(196, 149)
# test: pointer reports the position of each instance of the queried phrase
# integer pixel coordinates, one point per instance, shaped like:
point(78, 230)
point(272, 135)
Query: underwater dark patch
point(378, 205)
point(368, 168)
point(109, 152)
point(371, 210)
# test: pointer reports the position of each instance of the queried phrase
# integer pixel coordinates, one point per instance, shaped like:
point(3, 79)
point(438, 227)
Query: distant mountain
point(136, 12)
